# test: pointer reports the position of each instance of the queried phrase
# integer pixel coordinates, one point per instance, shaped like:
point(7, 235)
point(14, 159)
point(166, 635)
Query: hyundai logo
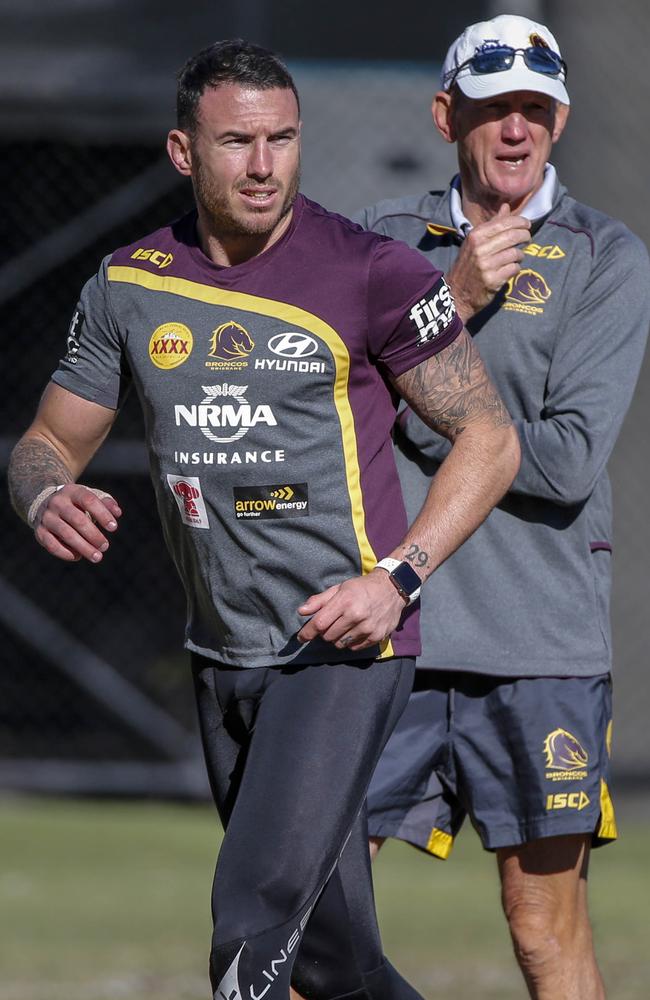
point(293, 345)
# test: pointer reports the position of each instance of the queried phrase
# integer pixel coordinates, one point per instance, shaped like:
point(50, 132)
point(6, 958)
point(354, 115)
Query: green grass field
point(110, 901)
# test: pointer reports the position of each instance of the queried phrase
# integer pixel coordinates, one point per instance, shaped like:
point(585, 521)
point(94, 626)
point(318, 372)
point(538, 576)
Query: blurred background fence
point(94, 688)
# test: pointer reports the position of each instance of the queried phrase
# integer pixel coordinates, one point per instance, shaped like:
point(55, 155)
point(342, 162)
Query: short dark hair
point(231, 61)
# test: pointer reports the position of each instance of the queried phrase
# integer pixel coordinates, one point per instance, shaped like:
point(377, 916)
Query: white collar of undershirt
point(539, 205)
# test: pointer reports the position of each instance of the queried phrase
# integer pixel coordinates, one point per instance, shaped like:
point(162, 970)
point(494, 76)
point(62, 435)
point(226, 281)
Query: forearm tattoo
point(417, 556)
point(33, 466)
point(452, 388)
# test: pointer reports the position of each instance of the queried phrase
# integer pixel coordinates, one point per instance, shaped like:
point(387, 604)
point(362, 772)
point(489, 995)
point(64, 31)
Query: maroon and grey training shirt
point(268, 413)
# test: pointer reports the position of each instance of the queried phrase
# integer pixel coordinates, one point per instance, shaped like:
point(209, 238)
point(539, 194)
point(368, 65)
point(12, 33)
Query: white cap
point(518, 33)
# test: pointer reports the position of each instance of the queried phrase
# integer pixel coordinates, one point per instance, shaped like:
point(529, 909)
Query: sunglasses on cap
point(499, 58)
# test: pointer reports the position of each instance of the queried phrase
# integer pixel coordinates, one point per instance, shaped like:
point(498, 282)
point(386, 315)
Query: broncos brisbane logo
point(529, 288)
point(564, 752)
point(230, 342)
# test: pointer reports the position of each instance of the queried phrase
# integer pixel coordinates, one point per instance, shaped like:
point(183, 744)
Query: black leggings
point(290, 753)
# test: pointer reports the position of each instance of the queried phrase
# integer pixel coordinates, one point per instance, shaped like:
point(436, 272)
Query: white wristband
point(388, 564)
point(33, 520)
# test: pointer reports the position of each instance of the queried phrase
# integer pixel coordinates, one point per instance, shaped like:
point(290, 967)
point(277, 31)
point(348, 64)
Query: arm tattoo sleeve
point(33, 466)
point(452, 389)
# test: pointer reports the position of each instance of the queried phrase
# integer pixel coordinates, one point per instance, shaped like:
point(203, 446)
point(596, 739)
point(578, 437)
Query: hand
point(489, 257)
point(70, 523)
point(354, 615)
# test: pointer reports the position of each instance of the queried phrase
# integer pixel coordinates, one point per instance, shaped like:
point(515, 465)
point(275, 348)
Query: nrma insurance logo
point(566, 758)
point(224, 414)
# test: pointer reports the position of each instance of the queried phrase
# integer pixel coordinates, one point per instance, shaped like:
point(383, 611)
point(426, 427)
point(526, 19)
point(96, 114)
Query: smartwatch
point(403, 577)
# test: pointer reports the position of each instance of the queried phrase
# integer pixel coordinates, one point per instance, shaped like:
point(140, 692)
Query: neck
point(228, 248)
point(480, 205)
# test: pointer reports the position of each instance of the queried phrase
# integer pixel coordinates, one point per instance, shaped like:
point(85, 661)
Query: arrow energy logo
point(263, 502)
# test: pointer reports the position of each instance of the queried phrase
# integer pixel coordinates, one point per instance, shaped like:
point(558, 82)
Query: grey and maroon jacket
point(528, 594)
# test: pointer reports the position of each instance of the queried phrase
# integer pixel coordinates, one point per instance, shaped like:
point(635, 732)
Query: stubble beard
point(226, 224)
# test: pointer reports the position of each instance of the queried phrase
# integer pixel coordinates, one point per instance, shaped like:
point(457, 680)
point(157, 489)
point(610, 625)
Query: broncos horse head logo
point(230, 342)
point(564, 752)
point(529, 287)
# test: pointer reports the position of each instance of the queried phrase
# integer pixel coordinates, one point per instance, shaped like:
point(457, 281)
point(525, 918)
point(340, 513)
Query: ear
point(561, 116)
point(179, 150)
point(441, 109)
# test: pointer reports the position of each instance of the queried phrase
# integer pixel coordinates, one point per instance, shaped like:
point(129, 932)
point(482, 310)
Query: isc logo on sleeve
point(432, 315)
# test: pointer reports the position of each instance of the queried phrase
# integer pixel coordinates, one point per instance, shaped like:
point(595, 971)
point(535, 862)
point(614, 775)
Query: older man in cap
point(510, 719)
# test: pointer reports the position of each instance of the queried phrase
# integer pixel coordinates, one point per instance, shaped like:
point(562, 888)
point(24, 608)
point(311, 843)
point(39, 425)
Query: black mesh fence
point(92, 661)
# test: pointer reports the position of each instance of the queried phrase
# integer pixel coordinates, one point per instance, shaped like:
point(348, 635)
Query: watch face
point(407, 578)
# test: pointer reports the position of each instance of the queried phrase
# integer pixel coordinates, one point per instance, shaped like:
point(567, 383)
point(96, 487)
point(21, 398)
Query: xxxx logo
point(170, 345)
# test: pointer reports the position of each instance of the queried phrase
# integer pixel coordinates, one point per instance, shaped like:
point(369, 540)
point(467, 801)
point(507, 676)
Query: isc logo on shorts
point(567, 800)
point(432, 315)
